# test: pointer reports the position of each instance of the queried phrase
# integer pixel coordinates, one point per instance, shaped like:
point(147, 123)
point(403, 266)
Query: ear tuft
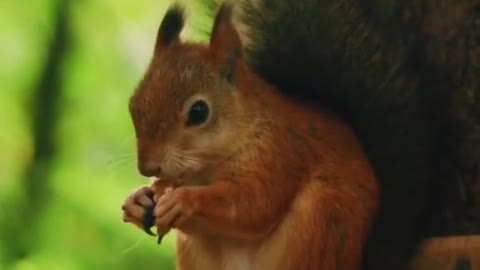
point(171, 26)
point(225, 43)
point(223, 21)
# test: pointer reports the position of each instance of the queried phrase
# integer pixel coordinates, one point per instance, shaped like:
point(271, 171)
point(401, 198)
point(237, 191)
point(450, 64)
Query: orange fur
point(314, 215)
point(266, 183)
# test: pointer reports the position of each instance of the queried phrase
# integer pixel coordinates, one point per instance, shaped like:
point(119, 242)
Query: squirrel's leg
point(325, 229)
point(246, 211)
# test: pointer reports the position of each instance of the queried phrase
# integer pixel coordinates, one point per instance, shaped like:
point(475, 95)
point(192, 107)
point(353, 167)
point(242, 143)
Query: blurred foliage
point(93, 168)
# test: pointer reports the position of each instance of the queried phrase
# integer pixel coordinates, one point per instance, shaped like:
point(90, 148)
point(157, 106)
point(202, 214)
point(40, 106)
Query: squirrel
point(269, 154)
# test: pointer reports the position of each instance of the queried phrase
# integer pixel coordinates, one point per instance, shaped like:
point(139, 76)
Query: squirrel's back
point(328, 53)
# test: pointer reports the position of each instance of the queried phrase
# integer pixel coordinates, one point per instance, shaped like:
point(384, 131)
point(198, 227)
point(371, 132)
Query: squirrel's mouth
point(178, 182)
point(154, 178)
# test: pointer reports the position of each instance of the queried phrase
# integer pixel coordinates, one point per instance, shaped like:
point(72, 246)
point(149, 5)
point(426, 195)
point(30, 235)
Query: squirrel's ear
point(171, 26)
point(225, 43)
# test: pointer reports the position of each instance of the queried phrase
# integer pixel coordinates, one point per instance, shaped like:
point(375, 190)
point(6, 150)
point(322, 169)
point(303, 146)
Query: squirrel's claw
point(160, 235)
point(159, 240)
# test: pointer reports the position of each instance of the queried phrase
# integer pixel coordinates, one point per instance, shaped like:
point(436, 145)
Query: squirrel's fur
point(280, 166)
point(332, 53)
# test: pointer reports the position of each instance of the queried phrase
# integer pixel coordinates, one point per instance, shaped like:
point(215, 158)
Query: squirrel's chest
point(202, 254)
point(238, 258)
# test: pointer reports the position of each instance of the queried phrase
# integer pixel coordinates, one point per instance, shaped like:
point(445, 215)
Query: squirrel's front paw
point(138, 209)
point(174, 209)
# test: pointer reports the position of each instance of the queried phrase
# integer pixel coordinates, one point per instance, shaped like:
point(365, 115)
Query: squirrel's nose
point(150, 169)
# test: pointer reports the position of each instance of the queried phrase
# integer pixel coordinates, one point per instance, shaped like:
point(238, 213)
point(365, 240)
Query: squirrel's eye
point(198, 113)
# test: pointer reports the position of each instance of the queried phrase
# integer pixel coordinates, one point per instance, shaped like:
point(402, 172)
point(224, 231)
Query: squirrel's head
point(187, 111)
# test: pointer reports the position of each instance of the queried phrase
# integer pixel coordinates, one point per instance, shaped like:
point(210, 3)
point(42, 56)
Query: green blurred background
point(67, 147)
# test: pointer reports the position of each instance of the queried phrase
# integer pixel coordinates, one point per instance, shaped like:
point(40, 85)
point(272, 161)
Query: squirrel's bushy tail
point(328, 53)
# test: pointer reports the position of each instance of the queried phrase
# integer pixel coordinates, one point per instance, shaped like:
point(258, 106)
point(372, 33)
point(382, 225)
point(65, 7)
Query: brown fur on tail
point(449, 253)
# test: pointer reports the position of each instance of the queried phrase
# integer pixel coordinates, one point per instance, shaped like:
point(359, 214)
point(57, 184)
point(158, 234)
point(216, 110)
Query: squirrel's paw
point(173, 209)
point(138, 209)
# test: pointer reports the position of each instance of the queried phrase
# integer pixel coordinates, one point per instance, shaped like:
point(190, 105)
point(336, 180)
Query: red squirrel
point(260, 182)
point(284, 143)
